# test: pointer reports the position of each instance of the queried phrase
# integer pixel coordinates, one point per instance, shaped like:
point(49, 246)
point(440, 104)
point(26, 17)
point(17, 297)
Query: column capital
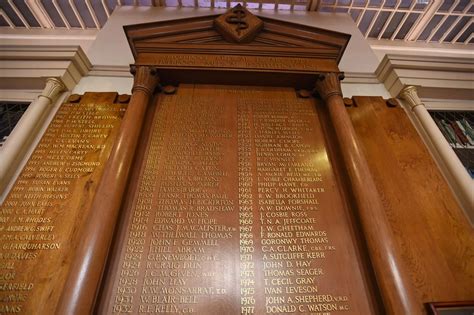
point(145, 78)
point(53, 88)
point(328, 84)
point(410, 95)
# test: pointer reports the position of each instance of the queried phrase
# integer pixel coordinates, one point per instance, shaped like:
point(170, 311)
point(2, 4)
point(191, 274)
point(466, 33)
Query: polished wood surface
point(253, 198)
point(272, 141)
point(396, 289)
point(88, 265)
point(430, 229)
point(195, 51)
point(42, 217)
point(120, 234)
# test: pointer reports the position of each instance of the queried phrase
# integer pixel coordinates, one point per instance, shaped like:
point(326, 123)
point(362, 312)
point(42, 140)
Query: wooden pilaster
point(396, 290)
point(87, 268)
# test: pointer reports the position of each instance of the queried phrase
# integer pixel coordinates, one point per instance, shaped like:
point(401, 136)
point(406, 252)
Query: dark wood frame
point(433, 307)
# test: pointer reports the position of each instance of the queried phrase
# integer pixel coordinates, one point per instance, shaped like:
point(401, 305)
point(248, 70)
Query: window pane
point(10, 114)
point(407, 26)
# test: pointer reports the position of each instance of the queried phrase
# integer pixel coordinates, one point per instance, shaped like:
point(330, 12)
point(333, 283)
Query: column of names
point(241, 213)
point(38, 217)
point(182, 233)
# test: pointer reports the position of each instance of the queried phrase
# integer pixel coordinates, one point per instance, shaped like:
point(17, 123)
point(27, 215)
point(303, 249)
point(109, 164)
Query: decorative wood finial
point(238, 25)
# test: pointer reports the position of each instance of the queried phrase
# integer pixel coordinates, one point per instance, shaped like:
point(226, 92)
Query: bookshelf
point(458, 129)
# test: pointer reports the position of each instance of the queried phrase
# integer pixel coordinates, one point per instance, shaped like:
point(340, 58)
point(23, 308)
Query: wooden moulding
point(86, 270)
point(450, 308)
point(396, 289)
point(194, 51)
point(199, 35)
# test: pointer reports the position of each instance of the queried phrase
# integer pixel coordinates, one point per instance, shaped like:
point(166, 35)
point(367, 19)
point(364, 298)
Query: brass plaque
point(236, 211)
point(41, 218)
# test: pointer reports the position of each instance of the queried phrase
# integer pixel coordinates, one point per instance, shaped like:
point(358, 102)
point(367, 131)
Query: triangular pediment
point(199, 35)
point(237, 47)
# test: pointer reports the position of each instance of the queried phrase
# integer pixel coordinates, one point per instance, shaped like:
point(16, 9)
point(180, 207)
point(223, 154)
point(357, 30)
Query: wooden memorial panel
point(427, 223)
point(235, 210)
point(41, 218)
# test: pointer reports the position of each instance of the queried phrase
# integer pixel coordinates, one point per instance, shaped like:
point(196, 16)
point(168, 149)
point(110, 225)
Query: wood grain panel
point(41, 218)
point(435, 237)
point(236, 209)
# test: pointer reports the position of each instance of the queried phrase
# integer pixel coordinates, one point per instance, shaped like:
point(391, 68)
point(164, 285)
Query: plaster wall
point(111, 47)
point(121, 85)
point(48, 37)
point(384, 47)
point(374, 89)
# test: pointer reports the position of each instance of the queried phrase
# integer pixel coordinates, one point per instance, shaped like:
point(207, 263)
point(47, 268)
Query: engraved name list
point(236, 212)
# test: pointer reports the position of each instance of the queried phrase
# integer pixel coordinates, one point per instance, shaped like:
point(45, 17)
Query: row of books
point(457, 132)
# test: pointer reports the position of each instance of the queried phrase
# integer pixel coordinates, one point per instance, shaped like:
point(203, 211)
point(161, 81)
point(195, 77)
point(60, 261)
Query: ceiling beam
point(455, 39)
point(436, 28)
point(22, 18)
point(92, 12)
point(450, 29)
point(469, 39)
point(426, 17)
point(76, 13)
point(106, 9)
point(61, 14)
point(39, 13)
point(389, 19)
point(5, 16)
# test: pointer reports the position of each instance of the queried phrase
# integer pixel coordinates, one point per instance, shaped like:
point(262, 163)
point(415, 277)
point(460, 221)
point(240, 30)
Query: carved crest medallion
point(238, 25)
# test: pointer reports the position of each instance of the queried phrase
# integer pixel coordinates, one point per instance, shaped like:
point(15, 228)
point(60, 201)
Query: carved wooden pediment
point(236, 42)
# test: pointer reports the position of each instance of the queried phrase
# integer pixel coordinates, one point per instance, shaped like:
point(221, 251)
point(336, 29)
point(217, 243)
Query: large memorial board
point(236, 210)
point(40, 219)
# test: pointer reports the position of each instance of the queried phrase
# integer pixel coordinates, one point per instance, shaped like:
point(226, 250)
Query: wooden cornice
point(189, 47)
point(201, 32)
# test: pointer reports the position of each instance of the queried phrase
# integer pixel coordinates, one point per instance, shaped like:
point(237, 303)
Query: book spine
point(449, 132)
point(443, 130)
point(459, 134)
point(468, 128)
point(465, 133)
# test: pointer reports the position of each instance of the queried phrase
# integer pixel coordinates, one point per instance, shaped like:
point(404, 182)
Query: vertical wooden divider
point(86, 271)
point(113, 261)
point(396, 290)
point(335, 155)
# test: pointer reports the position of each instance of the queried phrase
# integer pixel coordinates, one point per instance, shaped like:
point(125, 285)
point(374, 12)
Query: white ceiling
point(441, 21)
